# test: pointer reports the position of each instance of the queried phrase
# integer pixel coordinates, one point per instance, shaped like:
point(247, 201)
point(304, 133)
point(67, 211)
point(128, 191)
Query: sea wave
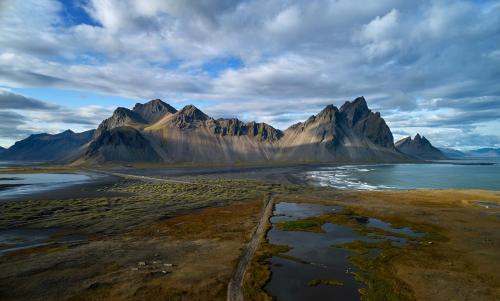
point(343, 177)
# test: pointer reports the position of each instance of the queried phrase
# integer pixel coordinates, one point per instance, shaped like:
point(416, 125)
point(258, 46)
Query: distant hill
point(420, 148)
point(452, 153)
point(2, 149)
point(47, 147)
point(484, 152)
point(156, 132)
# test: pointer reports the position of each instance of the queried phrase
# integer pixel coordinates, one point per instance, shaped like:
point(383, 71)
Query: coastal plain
point(180, 238)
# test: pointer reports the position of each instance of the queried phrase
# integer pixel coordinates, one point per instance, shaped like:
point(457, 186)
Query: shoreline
point(87, 189)
point(273, 173)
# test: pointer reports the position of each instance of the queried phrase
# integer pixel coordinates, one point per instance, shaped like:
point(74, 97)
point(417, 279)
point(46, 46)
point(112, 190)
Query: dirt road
point(141, 178)
point(234, 288)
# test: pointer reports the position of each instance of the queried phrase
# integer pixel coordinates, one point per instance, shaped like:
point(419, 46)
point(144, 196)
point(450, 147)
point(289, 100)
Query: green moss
point(141, 203)
point(378, 276)
point(292, 258)
point(363, 247)
point(313, 225)
point(331, 282)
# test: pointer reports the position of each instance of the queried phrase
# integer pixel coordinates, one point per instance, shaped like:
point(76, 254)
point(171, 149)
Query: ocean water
point(7, 164)
point(474, 173)
point(15, 185)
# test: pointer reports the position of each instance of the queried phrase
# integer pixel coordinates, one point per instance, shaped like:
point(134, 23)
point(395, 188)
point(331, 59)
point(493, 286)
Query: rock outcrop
point(47, 147)
point(419, 148)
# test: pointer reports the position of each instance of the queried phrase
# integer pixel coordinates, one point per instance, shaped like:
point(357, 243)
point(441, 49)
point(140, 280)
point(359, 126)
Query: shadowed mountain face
point(420, 148)
point(155, 132)
point(46, 147)
point(123, 143)
point(2, 149)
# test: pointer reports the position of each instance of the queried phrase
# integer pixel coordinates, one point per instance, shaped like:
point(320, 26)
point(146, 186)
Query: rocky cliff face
point(47, 147)
point(420, 148)
point(124, 144)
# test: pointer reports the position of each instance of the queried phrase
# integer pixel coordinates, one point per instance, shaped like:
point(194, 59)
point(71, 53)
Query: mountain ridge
point(47, 147)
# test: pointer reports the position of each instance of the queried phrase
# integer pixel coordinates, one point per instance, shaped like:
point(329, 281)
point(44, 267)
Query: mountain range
point(484, 152)
point(157, 132)
point(47, 147)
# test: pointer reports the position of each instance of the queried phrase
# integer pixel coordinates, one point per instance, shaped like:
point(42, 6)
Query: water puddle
point(488, 204)
point(18, 239)
point(315, 268)
point(379, 224)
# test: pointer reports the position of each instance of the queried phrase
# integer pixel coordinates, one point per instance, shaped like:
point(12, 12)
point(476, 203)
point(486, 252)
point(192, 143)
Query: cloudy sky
point(428, 66)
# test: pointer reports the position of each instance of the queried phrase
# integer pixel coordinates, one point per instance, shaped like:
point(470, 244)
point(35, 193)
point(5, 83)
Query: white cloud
point(297, 55)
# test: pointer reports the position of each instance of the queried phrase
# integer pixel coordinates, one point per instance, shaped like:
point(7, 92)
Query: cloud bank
point(429, 66)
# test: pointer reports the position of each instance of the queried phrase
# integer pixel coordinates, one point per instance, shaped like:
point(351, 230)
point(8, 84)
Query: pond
point(315, 268)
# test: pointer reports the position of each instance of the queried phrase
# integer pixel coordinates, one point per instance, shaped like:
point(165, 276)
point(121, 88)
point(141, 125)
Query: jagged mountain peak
point(121, 113)
point(153, 110)
point(192, 113)
point(329, 110)
point(359, 103)
point(355, 110)
point(236, 127)
point(419, 147)
point(417, 140)
point(121, 117)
